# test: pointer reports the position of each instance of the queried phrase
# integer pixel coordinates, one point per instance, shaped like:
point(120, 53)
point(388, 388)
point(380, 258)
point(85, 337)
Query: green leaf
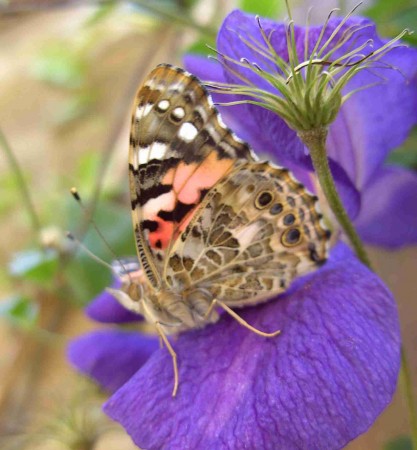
point(19, 310)
point(34, 265)
point(270, 8)
point(200, 47)
point(399, 443)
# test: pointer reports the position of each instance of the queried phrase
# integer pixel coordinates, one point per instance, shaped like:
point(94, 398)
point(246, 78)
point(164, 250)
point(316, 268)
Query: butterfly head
point(132, 284)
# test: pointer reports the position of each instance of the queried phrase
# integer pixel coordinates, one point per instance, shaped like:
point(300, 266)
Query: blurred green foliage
point(399, 443)
point(19, 311)
point(272, 8)
point(35, 265)
point(394, 16)
point(12, 195)
point(86, 276)
point(391, 18)
point(61, 65)
point(406, 155)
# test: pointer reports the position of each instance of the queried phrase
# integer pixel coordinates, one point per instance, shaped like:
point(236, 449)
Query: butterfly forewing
point(179, 149)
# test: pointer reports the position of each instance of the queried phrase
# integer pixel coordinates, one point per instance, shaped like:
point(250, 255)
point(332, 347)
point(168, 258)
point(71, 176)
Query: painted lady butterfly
point(214, 226)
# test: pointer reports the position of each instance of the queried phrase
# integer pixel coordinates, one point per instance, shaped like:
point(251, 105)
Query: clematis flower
point(334, 367)
point(382, 199)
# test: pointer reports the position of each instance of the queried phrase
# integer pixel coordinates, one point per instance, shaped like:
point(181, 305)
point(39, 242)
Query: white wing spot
point(158, 150)
point(143, 153)
point(179, 86)
point(187, 132)
point(142, 111)
point(163, 105)
point(213, 132)
point(178, 113)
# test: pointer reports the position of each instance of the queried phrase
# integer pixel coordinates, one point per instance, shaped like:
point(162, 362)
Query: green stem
point(407, 386)
point(21, 182)
point(315, 140)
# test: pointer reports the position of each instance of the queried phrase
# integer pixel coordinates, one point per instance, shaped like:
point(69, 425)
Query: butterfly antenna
point(76, 195)
point(71, 237)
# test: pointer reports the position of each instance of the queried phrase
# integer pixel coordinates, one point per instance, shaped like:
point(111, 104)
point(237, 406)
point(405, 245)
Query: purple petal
point(370, 124)
point(318, 385)
point(376, 120)
point(111, 357)
point(204, 68)
point(106, 309)
point(389, 216)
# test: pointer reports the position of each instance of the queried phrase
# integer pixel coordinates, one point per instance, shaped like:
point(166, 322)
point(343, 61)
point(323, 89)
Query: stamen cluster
point(307, 90)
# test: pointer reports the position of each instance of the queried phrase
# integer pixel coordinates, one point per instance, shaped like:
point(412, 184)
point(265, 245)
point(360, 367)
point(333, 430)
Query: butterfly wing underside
point(179, 149)
point(254, 232)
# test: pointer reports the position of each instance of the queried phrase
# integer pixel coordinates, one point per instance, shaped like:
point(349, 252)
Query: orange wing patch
point(171, 212)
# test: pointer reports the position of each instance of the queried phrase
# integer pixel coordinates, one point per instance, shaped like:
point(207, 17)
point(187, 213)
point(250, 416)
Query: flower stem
point(21, 183)
point(407, 387)
point(315, 140)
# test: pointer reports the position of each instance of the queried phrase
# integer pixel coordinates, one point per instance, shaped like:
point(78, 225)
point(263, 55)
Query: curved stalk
point(315, 140)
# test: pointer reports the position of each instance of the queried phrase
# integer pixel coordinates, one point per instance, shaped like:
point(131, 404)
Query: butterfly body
point(176, 310)
point(211, 222)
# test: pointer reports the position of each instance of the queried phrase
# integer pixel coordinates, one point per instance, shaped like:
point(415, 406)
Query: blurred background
point(69, 71)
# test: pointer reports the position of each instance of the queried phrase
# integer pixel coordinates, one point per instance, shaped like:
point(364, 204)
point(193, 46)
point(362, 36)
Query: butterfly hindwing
point(179, 149)
point(254, 232)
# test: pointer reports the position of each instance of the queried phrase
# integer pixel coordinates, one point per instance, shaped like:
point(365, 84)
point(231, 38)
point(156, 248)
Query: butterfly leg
point(239, 319)
point(210, 309)
point(171, 351)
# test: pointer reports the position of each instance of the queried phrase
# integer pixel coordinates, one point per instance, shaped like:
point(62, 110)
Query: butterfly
point(215, 227)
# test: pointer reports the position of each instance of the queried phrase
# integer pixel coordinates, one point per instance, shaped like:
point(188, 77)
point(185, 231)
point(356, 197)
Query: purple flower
point(372, 123)
point(318, 385)
point(334, 367)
